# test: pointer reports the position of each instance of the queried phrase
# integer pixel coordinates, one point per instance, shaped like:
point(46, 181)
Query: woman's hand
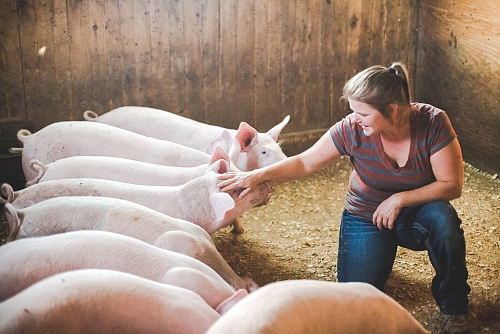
point(234, 181)
point(387, 212)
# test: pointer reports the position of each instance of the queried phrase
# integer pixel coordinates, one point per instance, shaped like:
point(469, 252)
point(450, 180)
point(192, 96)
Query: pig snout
point(266, 198)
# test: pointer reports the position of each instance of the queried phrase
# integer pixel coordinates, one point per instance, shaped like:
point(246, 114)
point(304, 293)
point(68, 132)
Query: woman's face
point(369, 118)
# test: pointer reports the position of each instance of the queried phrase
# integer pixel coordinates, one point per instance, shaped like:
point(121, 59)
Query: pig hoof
point(237, 228)
point(249, 283)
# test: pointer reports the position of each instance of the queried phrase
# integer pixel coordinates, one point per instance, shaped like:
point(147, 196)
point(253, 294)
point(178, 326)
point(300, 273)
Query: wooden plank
point(193, 89)
point(29, 44)
point(131, 94)
point(63, 88)
point(260, 94)
point(328, 68)
point(228, 64)
point(211, 64)
point(457, 66)
point(299, 82)
point(340, 75)
point(249, 59)
point(81, 68)
point(99, 100)
point(160, 57)
point(266, 120)
point(12, 101)
point(289, 67)
point(314, 78)
point(177, 54)
point(142, 52)
point(114, 55)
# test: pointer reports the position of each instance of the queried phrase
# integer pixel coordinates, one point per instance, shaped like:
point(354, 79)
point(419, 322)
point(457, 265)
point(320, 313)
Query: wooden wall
point(459, 71)
point(216, 61)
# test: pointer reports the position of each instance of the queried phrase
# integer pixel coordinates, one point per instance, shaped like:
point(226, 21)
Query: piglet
point(307, 306)
point(26, 261)
point(255, 150)
point(65, 139)
point(72, 213)
point(125, 170)
point(199, 201)
point(104, 301)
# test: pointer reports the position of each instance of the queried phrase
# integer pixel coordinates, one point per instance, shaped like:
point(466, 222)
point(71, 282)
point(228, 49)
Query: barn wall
point(458, 70)
point(214, 61)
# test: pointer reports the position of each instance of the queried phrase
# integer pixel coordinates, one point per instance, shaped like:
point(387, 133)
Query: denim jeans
point(367, 254)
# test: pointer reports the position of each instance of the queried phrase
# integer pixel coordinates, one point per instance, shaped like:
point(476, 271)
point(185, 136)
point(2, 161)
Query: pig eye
point(263, 151)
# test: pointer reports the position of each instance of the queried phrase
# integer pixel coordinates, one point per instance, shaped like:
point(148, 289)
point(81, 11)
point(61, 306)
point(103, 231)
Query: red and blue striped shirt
point(374, 179)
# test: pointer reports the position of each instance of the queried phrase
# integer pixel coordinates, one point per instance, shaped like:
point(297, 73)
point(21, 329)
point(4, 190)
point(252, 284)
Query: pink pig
point(319, 307)
point(65, 139)
point(199, 201)
point(124, 170)
point(255, 150)
point(104, 301)
point(72, 213)
point(26, 261)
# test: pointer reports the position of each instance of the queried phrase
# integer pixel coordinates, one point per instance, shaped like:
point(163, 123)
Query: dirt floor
point(295, 236)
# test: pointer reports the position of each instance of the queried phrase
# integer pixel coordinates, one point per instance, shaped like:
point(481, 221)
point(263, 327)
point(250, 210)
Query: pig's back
point(160, 124)
point(64, 139)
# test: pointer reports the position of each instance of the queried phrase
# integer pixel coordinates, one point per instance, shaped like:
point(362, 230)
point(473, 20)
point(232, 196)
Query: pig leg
point(237, 227)
point(187, 244)
point(201, 284)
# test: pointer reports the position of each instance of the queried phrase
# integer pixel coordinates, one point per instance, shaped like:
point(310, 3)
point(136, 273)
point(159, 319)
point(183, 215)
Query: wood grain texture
point(458, 71)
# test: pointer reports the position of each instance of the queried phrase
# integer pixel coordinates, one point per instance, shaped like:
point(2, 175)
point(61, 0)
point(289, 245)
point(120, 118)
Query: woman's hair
point(379, 86)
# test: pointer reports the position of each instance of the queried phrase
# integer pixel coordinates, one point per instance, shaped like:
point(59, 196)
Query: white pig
point(319, 307)
point(104, 301)
point(199, 201)
point(256, 149)
point(124, 170)
point(72, 213)
point(26, 261)
point(65, 139)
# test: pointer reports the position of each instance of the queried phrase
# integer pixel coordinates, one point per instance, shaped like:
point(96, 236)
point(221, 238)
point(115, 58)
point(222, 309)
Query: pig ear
point(14, 220)
point(247, 136)
point(276, 130)
point(221, 166)
point(218, 154)
point(228, 144)
point(221, 203)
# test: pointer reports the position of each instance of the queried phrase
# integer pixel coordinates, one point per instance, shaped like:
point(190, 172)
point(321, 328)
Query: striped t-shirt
point(374, 178)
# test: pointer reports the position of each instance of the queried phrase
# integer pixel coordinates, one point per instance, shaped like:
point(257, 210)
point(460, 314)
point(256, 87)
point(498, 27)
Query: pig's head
point(250, 149)
point(226, 207)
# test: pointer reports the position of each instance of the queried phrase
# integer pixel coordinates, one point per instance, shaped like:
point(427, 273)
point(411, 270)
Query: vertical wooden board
point(365, 53)
point(61, 46)
point(289, 68)
point(314, 77)
point(299, 58)
point(211, 65)
point(340, 74)
point(98, 57)
point(160, 54)
point(266, 121)
point(177, 54)
point(328, 65)
point(81, 68)
point(131, 94)
point(354, 35)
point(47, 102)
point(193, 89)
point(261, 60)
point(29, 44)
point(228, 64)
point(114, 55)
point(249, 83)
point(458, 50)
point(142, 52)
point(12, 102)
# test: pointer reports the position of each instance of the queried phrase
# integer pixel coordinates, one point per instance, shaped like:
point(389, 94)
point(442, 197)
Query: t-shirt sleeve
point(338, 134)
point(441, 131)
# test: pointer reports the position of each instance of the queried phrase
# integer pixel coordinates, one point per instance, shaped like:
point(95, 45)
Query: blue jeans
point(367, 254)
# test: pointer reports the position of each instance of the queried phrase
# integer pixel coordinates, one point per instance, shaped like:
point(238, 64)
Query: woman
point(407, 167)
